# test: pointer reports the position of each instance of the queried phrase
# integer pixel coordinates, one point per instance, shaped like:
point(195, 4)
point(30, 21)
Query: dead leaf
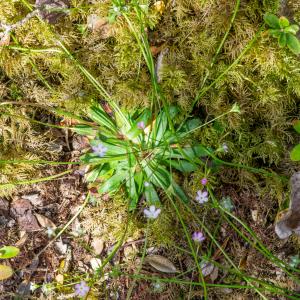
point(100, 25)
point(161, 263)
point(45, 222)
point(46, 9)
point(22, 240)
point(288, 221)
point(214, 274)
point(98, 245)
point(5, 40)
point(59, 278)
point(160, 6)
point(34, 199)
point(22, 210)
point(61, 247)
point(5, 272)
point(207, 268)
point(95, 263)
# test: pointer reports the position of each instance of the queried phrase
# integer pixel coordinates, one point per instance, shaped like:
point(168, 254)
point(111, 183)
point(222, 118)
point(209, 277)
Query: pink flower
point(141, 125)
point(204, 181)
point(198, 236)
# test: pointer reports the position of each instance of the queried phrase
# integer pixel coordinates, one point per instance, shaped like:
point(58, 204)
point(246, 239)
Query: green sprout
point(286, 33)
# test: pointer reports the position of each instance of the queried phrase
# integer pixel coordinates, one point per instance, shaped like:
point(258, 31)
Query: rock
point(98, 245)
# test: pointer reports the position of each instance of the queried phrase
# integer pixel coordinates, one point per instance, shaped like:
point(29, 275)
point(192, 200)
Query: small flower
point(99, 150)
point(146, 184)
point(33, 286)
point(204, 181)
point(198, 236)
point(152, 212)
point(50, 232)
point(202, 197)
point(81, 289)
point(225, 147)
point(141, 125)
point(235, 108)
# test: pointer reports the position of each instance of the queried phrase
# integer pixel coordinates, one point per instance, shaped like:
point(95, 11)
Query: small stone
point(98, 245)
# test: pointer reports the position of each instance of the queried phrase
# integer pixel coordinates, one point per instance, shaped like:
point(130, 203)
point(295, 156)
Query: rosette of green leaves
point(140, 160)
point(286, 33)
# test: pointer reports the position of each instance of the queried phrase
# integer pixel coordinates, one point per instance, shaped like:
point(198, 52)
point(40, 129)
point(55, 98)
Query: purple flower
point(152, 212)
point(198, 236)
point(204, 181)
point(141, 125)
point(202, 197)
point(81, 289)
point(99, 150)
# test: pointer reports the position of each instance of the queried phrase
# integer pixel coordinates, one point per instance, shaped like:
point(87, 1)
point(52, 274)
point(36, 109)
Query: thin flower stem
point(32, 181)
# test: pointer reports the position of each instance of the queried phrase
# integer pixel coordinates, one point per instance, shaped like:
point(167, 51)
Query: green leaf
point(182, 165)
point(113, 183)
point(177, 191)
point(272, 20)
point(151, 195)
point(190, 125)
point(282, 40)
point(5, 272)
point(275, 32)
point(85, 130)
point(297, 126)
point(292, 29)
point(9, 252)
point(139, 179)
point(293, 43)
point(93, 175)
point(295, 153)
point(98, 115)
point(283, 22)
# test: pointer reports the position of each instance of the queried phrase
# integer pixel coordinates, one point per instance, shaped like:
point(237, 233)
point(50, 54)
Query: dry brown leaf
point(5, 40)
point(289, 220)
point(45, 222)
point(60, 278)
point(5, 272)
point(207, 268)
point(161, 263)
point(98, 245)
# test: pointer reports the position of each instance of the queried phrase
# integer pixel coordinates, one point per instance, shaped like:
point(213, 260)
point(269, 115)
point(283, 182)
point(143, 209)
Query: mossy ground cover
point(203, 57)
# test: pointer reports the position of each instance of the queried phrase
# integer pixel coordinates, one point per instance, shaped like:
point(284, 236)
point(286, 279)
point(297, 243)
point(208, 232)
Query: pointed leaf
point(161, 263)
point(5, 272)
point(177, 191)
point(112, 183)
point(9, 252)
point(293, 43)
point(98, 115)
point(182, 165)
point(85, 130)
point(151, 195)
point(272, 20)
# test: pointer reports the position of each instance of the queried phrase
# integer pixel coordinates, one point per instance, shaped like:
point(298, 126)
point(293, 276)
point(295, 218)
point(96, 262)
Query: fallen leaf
point(5, 40)
point(22, 240)
point(59, 278)
point(100, 25)
point(159, 6)
point(214, 274)
point(5, 272)
point(95, 263)
point(207, 268)
point(45, 222)
point(98, 245)
point(288, 221)
point(61, 247)
point(161, 263)
point(34, 198)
